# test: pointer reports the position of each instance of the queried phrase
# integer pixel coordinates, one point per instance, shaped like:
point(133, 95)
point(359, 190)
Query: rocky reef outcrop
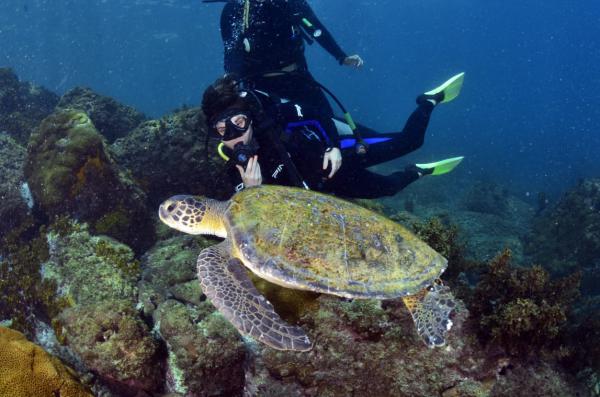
point(171, 155)
point(488, 216)
point(112, 341)
point(96, 277)
point(15, 211)
point(71, 173)
point(22, 105)
point(112, 119)
point(567, 235)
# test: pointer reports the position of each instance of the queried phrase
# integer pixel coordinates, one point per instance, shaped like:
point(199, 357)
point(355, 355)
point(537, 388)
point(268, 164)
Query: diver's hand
point(353, 60)
point(251, 176)
point(334, 156)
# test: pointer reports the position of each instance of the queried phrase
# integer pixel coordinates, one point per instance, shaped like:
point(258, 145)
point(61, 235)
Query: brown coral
point(27, 370)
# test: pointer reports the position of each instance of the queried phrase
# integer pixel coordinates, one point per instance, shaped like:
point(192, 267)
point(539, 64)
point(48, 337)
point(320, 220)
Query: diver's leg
point(358, 182)
point(389, 146)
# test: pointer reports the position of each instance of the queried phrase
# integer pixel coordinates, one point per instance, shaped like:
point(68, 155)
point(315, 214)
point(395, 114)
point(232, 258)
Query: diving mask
point(231, 124)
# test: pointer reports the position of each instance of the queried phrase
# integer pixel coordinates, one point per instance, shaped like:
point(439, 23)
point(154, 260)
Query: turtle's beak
point(162, 212)
point(165, 211)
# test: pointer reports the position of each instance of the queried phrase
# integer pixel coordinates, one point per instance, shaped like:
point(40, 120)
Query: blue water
point(528, 115)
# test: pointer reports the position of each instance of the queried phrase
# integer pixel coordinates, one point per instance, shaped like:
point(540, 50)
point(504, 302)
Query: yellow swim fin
point(450, 88)
point(442, 166)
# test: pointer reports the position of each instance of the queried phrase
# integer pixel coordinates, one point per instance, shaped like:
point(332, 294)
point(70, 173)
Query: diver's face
point(233, 126)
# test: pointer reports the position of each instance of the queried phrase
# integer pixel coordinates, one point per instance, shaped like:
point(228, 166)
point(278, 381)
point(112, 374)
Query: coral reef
point(14, 211)
point(70, 173)
point(521, 309)
point(567, 235)
point(112, 119)
point(27, 370)
point(170, 156)
point(22, 105)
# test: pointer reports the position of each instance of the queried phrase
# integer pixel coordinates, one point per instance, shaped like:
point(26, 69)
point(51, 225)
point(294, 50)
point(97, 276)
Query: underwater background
point(98, 283)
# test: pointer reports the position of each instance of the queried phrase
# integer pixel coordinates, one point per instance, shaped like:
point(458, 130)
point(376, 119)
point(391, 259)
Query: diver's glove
point(353, 60)
point(332, 155)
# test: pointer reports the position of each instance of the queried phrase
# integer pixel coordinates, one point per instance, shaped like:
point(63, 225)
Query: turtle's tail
point(431, 309)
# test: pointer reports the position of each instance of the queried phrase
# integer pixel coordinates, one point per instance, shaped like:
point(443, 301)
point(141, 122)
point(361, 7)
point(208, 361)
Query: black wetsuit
point(305, 140)
point(273, 39)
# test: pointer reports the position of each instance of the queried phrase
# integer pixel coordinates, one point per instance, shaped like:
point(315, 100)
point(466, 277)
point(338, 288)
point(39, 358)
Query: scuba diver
point(264, 43)
point(266, 139)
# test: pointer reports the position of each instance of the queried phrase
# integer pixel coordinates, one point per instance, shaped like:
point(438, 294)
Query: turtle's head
point(193, 215)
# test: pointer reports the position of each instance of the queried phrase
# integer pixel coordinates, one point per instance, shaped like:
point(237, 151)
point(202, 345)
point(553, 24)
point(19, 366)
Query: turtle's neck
point(214, 218)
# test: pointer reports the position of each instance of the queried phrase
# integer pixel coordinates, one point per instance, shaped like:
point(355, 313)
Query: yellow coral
point(27, 370)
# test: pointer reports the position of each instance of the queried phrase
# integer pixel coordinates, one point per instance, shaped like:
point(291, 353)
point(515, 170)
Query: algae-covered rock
point(170, 156)
point(366, 348)
point(540, 380)
point(169, 269)
point(113, 341)
point(27, 370)
point(96, 276)
point(567, 235)
point(22, 105)
point(523, 309)
point(14, 193)
point(70, 172)
point(112, 119)
point(487, 197)
point(90, 269)
point(206, 354)
point(24, 293)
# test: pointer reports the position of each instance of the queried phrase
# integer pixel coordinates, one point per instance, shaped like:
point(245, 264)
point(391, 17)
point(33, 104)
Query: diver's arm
point(233, 56)
point(326, 40)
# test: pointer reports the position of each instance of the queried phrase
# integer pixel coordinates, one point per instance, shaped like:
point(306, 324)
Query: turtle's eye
point(171, 207)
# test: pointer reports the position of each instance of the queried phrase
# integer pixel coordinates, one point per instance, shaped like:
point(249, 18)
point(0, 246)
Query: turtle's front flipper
point(225, 282)
point(430, 310)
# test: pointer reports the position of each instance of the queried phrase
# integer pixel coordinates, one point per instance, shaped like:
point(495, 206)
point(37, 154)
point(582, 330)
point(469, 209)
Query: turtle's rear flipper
point(430, 310)
point(225, 282)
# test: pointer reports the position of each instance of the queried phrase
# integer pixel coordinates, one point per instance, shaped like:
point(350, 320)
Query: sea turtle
point(306, 240)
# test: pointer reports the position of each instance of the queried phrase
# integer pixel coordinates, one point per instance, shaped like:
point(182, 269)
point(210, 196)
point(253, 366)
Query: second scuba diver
point(267, 140)
point(264, 43)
